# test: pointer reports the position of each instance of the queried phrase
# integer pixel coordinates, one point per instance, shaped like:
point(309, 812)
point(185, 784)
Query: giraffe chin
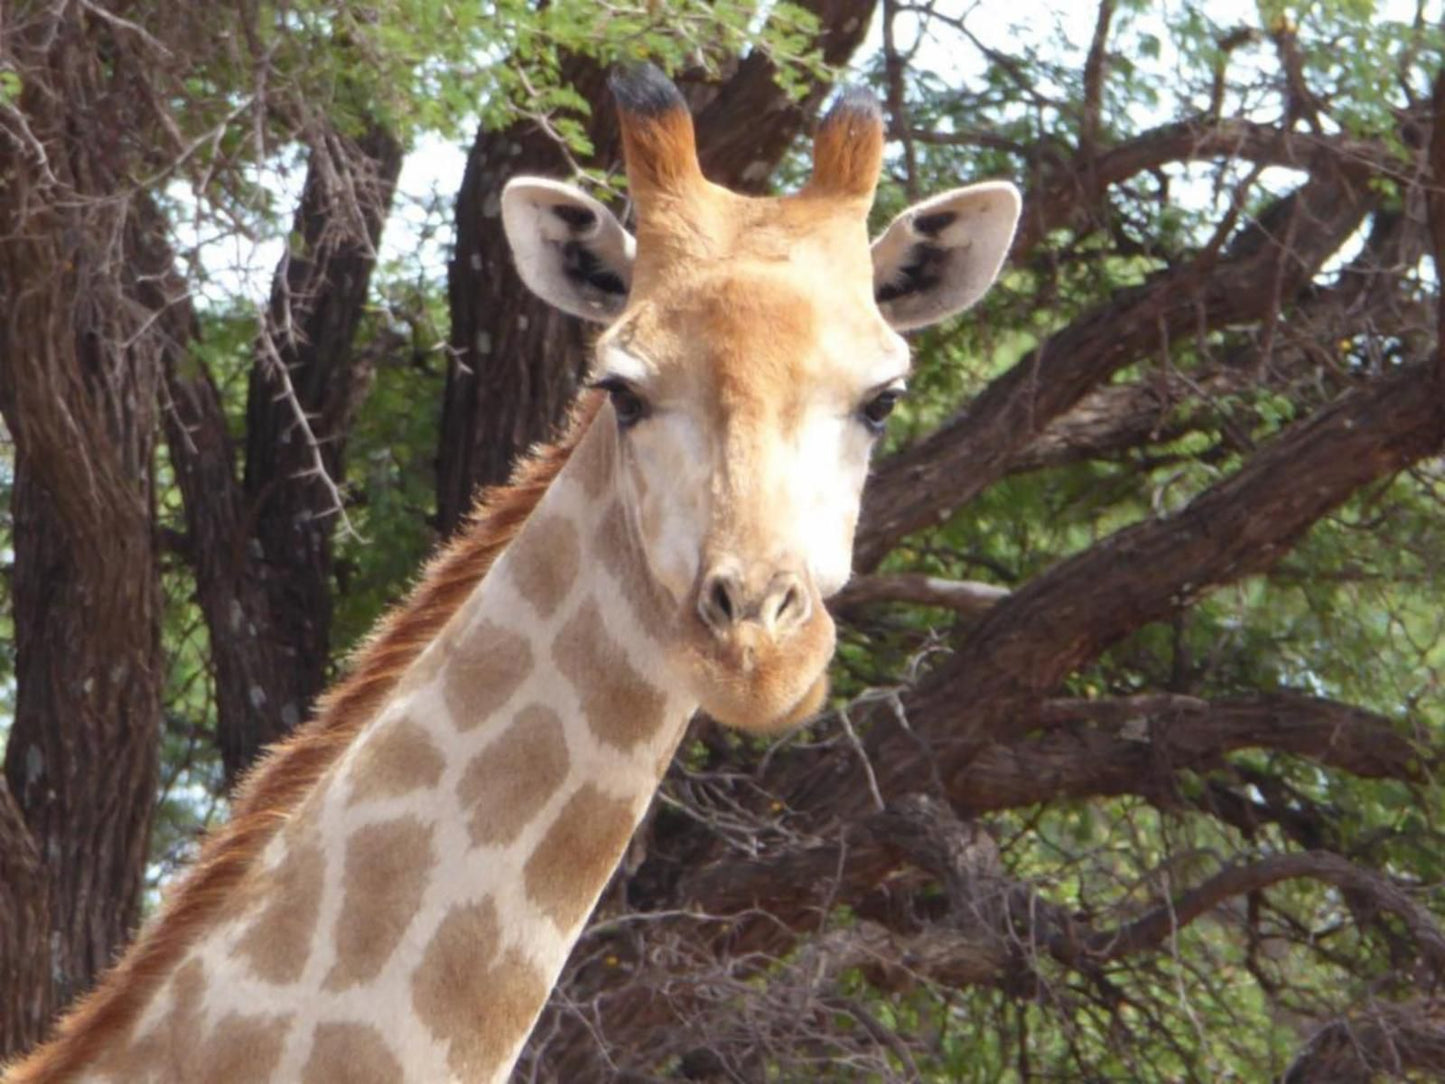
point(762, 685)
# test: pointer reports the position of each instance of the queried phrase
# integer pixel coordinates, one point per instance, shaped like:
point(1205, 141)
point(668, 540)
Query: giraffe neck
point(410, 920)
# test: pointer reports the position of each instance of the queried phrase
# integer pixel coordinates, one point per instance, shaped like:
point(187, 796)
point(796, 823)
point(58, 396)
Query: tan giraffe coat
point(106, 1020)
point(453, 851)
point(403, 880)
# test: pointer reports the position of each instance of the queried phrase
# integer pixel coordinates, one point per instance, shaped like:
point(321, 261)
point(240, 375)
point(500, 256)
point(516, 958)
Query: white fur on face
point(796, 497)
point(820, 510)
point(827, 463)
point(667, 464)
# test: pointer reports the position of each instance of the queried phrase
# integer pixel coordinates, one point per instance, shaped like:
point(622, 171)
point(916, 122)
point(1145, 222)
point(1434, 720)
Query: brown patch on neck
point(388, 867)
point(283, 778)
point(180, 1026)
point(239, 1049)
point(546, 564)
point(398, 758)
point(571, 865)
point(514, 776)
point(473, 995)
point(350, 1054)
point(620, 706)
point(486, 665)
point(277, 943)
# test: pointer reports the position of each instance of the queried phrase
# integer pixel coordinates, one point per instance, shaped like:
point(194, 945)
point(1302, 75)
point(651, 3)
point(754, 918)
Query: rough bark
point(24, 930)
point(305, 387)
point(261, 549)
point(79, 375)
point(516, 362)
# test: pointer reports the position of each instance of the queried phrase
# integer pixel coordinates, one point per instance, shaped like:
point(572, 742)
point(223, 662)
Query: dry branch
point(967, 597)
point(1374, 1040)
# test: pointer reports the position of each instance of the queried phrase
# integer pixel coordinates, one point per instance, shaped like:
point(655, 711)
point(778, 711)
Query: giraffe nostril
point(718, 602)
point(725, 601)
point(791, 607)
point(786, 604)
point(722, 600)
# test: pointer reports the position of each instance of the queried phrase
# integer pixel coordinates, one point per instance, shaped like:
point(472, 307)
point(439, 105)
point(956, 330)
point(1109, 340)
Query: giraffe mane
point(287, 772)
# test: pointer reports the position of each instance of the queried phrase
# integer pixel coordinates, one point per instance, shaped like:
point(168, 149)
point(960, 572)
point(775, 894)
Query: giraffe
point(402, 880)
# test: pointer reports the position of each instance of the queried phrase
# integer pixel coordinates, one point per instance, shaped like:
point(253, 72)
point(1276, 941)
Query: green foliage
point(191, 793)
point(1352, 613)
point(391, 483)
point(10, 86)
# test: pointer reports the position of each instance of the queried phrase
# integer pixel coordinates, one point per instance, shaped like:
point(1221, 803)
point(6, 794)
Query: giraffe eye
point(627, 404)
point(874, 413)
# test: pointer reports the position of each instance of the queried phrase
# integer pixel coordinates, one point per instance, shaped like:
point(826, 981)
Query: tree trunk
point(304, 390)
point(79, 373)
point(81, 763)
point(262, 552)
point(24, 932)
point(515, 361)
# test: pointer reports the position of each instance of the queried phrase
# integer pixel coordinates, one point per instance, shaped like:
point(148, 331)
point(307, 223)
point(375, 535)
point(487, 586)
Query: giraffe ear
point(940, 256)
point(570, 250)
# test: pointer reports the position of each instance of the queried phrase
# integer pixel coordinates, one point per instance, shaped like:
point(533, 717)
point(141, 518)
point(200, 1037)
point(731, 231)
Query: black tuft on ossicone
point(644, 90)
point(855, 100)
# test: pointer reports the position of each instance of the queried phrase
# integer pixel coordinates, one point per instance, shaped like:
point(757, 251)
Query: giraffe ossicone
point(404, 878)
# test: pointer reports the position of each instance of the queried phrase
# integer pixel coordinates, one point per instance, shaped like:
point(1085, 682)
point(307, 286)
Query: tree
point(1130, 765)
point(1140, 811)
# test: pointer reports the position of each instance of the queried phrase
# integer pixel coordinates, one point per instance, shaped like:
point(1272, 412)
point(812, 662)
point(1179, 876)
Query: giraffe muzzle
point(778, 603)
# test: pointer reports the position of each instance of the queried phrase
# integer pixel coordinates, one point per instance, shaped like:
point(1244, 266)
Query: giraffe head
point(751, 356)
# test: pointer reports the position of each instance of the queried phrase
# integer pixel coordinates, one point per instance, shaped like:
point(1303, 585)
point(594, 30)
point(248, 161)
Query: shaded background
point(1131, 767)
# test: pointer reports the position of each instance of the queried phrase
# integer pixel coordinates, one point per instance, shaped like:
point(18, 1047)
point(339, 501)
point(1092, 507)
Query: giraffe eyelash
point(628, 403)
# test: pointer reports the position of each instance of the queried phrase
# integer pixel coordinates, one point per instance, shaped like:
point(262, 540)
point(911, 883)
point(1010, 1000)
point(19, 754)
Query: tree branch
point(1057, 200)
point(1241, 526)
point(1153, 928)
point(1435, 203)
point(967, 597)
point(1095, 66)
point(1377, 1038)
point(268, 608)
point(924, 483)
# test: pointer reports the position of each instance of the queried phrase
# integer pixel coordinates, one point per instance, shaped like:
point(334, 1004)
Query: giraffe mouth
point(755, 680)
